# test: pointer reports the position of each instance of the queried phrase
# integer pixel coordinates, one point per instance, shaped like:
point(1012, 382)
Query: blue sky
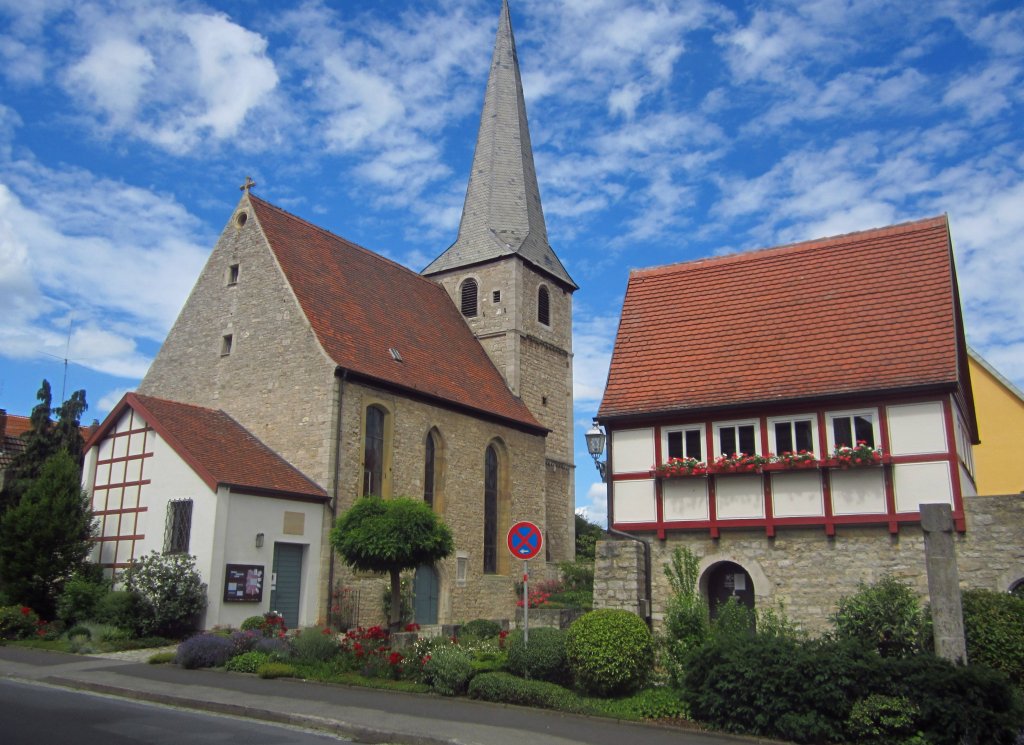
point(663, 131)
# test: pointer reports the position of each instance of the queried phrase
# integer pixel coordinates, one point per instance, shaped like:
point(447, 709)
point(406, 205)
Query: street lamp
point(596, 439)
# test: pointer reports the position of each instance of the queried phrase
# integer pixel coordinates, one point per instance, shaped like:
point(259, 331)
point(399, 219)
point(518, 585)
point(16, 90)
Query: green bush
point(656, 703)
point(994, 627)
point(252, 623)
point(885, 616)
point(247, 662)
point(449, 670)
point(686, 625)
point(508, 689)
point(885, 720)
point(79, 599)
point(541, 658)
point(173, 591)
point(204, 650)
point(276, 670)
point(610, 652)
point(479, 628)
point(732, 620)
point(315, 645)
point(79, 630)
point(161, 658)
point(17, 622)
point(123, 609)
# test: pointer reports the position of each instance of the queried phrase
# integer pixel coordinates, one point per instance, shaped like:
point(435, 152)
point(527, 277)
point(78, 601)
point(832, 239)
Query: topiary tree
point(885, 616)
point(609, 651)
point(44, 538)
point(389, 536)
point(994, 627)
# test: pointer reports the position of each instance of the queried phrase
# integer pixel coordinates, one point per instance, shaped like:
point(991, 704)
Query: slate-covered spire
point(502, 214)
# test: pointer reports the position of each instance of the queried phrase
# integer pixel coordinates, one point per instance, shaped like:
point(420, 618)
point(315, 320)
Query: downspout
point(334, 496)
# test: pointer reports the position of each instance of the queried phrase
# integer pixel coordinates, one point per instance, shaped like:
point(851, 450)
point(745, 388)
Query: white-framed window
point(686, 441)
point(737, 437)
point(791, 434)
point(850, 427)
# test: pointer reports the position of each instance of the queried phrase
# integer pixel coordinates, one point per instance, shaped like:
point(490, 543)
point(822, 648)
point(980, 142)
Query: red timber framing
point(117, 492)
point(770, 522)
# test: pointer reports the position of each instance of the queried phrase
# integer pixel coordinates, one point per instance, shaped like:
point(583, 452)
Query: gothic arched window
point(429, 470)
point(544, 306)
point(373, 452)
point(491, 511)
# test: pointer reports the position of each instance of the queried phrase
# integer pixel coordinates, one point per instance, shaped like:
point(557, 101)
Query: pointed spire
point(502, 214)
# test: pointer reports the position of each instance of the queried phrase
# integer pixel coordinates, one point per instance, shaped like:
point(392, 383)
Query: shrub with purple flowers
point(204, 650)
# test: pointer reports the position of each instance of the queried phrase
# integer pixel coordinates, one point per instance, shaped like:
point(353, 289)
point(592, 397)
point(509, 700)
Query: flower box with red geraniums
point(739, 463)
point(793, 461)
point(859, 456)
point(680, 467)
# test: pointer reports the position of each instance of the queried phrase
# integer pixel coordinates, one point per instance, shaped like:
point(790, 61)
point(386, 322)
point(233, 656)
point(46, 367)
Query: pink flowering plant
point(740, 463)
point(799, 459)
point(861, 454)
point(677, 467)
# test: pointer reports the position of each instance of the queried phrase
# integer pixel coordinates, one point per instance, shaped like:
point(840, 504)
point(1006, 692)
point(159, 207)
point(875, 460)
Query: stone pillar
point(620, 577)
point(943, 582)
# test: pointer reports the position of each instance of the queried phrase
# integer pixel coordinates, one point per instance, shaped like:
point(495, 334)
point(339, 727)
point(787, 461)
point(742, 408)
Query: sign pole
point(526, 603)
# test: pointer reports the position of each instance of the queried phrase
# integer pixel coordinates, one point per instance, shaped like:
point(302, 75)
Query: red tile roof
point(17, 425)
point(220, 450)
point(868, 311)
point(362, 305)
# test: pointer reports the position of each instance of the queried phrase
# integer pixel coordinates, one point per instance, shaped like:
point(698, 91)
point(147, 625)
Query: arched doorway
point(425, 593)
point(729, 580)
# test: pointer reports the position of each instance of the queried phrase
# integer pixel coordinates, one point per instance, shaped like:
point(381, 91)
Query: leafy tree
point(44, 539)
point(45, 439)
point(587, 536)
point(389, 536)
point(172, 591)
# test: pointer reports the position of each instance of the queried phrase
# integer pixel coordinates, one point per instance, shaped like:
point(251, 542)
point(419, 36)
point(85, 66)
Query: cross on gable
point(249, 183)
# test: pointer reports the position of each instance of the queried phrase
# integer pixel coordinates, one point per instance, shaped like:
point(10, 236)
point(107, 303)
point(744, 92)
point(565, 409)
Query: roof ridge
point(335, 236)
point(796, 247)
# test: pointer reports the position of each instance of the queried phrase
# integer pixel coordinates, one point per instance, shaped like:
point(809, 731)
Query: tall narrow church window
point(428, 470)
point(469, 298)
point(491, 511)
point(233, 275)
point(373, 452)
point(544, 306)
point(178, 526)
point(225, 345)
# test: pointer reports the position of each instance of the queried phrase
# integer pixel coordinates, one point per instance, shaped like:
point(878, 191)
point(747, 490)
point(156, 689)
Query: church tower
point(510, 286)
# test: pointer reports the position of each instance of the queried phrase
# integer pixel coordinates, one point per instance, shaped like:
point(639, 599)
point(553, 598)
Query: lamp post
point(596, 439)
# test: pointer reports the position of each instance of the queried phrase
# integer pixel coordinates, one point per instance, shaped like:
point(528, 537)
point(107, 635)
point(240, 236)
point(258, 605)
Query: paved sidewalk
point(361, 714)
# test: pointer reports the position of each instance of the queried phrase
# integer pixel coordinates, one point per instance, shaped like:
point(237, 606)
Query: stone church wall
point(275, 364)
point(805, 573)
point(458, 498)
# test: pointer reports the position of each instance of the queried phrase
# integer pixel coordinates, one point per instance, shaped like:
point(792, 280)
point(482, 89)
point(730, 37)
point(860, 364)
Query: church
point(305, 371)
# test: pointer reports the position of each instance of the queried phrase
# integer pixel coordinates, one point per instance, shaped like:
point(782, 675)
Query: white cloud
point(112, 77)
point(985, 94)
point(594, 505)
point(593, 337)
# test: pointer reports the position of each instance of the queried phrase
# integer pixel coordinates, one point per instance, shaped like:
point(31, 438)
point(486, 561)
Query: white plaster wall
point(797, 494)
point(857, 491)
point(634, 501)
point(243, 517)
point(917, 429)
point(921, 483)
point(632, 450)
point(738, 497)
point(685, 499)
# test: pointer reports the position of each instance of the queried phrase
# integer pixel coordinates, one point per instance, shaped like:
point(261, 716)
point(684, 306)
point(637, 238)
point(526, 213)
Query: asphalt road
point(33, 714)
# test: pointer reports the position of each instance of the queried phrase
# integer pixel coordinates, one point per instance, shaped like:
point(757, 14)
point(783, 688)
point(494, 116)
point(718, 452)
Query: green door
point(424, 595)
point(284, 597)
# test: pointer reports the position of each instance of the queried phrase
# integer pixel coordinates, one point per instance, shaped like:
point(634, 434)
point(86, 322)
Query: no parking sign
point(525, 540)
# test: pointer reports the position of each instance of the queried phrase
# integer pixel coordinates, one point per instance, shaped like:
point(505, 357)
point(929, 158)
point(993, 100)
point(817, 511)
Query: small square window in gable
point(232, 275)
point(225, 345)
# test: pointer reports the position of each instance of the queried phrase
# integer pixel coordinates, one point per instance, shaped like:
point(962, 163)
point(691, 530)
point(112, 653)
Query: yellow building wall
point(998, 464)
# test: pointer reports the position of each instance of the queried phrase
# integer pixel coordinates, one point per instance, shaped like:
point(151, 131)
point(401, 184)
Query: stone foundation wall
point(804, 573)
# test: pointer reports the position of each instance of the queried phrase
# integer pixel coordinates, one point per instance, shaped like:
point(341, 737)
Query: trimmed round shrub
point(79, 630)
point(252, 623)
point(610, 652)
point(449, 670)
point(247, 662)
point(542, 658)
point(315, 645)
point(506, 688)
point(204, 650)
point(479, 628)
point(994, 627)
